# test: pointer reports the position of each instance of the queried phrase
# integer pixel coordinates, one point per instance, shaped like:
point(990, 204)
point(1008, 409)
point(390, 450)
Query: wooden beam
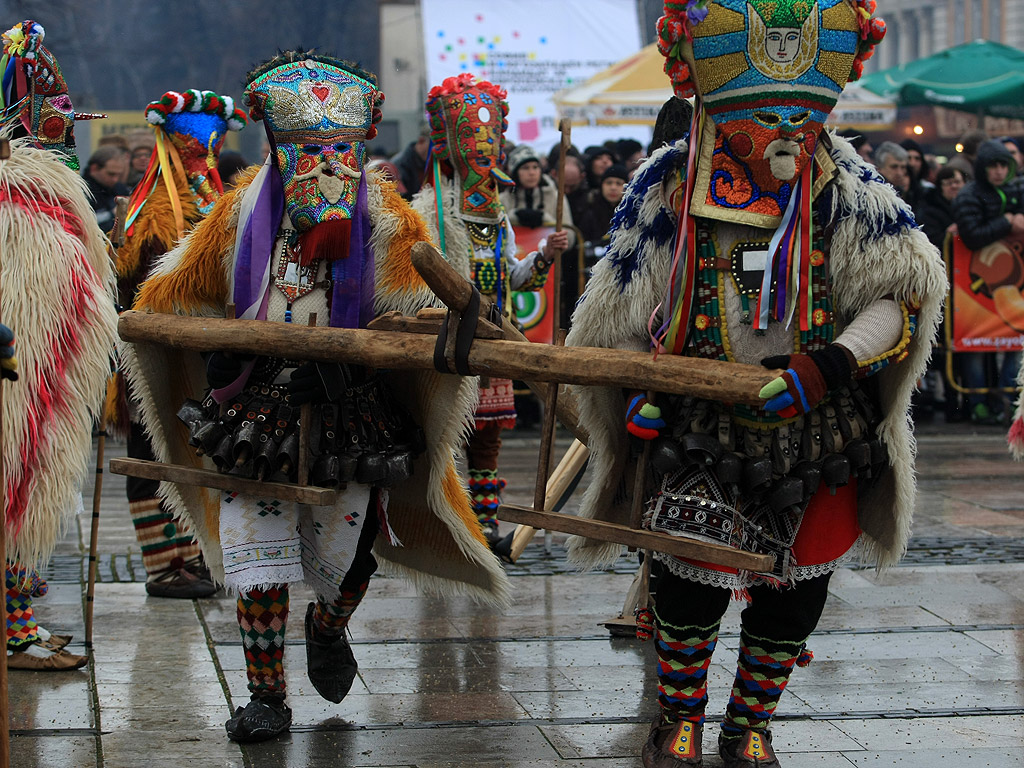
point(718, 554)
point(396, 321)
point(208, 478)
point(712, 379)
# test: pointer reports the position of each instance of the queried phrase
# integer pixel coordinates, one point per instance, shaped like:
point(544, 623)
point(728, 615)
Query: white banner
point(532, 48)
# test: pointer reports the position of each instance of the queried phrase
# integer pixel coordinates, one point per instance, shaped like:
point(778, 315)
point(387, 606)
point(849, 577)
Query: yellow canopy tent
point(632, 91)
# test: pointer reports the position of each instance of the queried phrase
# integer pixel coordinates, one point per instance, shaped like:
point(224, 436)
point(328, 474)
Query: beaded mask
point(321, 113)
point(767, 74)
point(467, 134)
point(31, 77)
point(196, 123)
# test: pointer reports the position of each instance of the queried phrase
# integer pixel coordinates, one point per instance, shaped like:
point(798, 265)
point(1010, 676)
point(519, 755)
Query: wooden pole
point(94, 533)
point(565, 126)
point(5, 719)
point(117, 238)
point(711, 379)
point(547, 438)
point(305, 417)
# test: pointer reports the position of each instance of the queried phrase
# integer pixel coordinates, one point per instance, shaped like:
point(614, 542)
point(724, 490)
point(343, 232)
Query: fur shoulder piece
point(154, 232)
point(641, 220)
point(396, 229)
point(191, 279)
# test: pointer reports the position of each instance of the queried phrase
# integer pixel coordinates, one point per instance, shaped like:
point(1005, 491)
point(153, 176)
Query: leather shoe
point(330, 664)
point(673, 745)
point(751, 750)
point(262, 718)
point(55, 662)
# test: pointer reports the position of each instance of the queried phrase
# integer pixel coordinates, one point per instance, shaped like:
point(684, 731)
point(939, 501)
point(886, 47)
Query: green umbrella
point(981, 76)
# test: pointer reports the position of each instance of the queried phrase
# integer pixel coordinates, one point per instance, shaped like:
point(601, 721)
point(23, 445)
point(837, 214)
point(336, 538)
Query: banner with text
point(532, 48)
point(988, 308)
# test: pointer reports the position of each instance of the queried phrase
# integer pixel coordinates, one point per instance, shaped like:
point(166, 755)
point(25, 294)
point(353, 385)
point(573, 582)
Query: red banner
point(987, 304)
point(531, 307)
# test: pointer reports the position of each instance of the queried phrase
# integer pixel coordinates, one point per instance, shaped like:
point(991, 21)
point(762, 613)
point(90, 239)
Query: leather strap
point(464, 335)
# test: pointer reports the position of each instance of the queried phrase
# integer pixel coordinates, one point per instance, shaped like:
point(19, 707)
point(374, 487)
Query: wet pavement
point(923, 666)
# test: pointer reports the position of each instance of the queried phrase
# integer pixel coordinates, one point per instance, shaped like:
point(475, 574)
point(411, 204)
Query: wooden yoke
point(405, 350)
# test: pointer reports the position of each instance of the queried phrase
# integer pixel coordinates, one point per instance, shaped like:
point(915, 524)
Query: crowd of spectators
point(977, 194)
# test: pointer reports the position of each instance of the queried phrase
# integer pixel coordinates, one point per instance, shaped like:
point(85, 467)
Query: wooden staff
point(5, 721)
point(547, 435)
point(306, 424)
point(117, 239)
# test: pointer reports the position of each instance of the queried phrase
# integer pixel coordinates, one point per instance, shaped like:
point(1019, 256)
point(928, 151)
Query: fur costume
point(441, 545)
point(58, 296)
point(628, 284)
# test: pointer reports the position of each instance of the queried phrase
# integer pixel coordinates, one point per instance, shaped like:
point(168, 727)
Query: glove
point(8, 362)
point(643, 419)
point(530, 217)
point(222, 368)
point(807, 379)
point(317, 383)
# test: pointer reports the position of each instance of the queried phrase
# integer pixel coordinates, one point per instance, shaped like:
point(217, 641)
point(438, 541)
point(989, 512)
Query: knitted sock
point(331, 619)
point(262, 616)
point(22, 629)
point(684, 655)
point(166, 545)
point(762, 672)
point(485, 494)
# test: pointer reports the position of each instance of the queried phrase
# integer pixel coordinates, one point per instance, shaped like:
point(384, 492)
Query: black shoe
point(753, 749)
point(262, 718)
point(673, 745)
point(330, 664)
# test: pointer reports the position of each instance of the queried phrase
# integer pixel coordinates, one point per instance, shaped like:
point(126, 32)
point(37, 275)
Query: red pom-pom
point(644, 624)
point(805, 657)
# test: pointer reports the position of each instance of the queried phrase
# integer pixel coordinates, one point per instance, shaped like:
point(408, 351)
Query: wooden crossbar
point(208, 478)
point(638, 538)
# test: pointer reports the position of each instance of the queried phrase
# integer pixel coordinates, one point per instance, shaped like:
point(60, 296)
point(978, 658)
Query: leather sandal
point(673, 745)
point(751, 750)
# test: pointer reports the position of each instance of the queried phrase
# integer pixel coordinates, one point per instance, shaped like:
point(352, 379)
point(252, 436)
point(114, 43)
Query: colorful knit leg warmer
point(684, 655)
point(762, 672)
point(485, 494)
point(262, 616)
point(166, 545)
point(22, 585)
point(332, 618)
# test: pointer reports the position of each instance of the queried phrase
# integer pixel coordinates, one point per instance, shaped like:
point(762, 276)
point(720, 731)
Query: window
point(977, 20)
point(995, 20)
point(959, 22)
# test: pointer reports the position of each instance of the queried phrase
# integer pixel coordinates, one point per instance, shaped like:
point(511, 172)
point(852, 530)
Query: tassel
point(805, 657)
point(644, 624)
point(1016, 435)
point(328, 240)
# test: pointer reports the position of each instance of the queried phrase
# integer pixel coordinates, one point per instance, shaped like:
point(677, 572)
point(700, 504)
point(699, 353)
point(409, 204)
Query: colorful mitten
point(807, 379)
point(643, 419)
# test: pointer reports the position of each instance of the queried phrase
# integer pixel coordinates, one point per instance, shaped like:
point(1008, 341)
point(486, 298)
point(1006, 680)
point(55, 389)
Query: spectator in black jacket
point(991, 207)
point(602, 203)
point(103, 174)
point(411, 163)
point(936, 214)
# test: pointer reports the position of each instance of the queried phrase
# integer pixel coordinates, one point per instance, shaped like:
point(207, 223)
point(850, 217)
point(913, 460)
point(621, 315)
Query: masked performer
point(759, 239)
point(459, 202)
point(311, 233)
point(54, 257)
point(178, 189)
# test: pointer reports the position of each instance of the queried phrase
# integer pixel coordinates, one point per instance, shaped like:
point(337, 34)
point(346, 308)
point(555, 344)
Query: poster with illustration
point(987, 308)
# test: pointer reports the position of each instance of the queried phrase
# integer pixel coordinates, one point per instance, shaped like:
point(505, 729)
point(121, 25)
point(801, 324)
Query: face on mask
point(467, 120)
point(321, 180)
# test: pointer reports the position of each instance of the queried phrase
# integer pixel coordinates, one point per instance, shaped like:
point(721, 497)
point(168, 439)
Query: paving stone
point(30, 751)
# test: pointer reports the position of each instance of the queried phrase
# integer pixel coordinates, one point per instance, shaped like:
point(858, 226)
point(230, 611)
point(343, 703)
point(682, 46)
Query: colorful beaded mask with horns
point(321, 112)
point(196, 123)
point(467, 134)
point(767, 73)
point(33, 90)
